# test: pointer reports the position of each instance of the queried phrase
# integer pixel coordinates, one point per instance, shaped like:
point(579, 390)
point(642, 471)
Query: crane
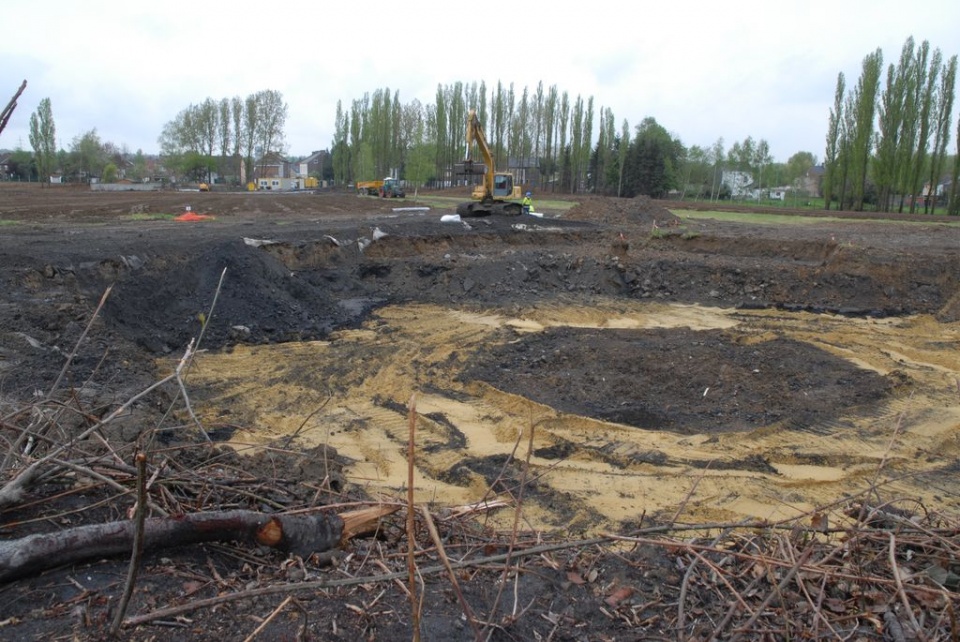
point(488, 197)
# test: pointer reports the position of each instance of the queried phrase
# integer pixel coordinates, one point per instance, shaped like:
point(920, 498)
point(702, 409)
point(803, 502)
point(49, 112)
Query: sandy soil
point(662, 368)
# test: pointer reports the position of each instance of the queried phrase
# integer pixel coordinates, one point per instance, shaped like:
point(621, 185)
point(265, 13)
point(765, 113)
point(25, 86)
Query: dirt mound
point(680, 380)
point(260, 301)
point(641, 212)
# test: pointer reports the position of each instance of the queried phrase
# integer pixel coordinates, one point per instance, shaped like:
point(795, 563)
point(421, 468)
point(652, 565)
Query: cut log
point(302, 535)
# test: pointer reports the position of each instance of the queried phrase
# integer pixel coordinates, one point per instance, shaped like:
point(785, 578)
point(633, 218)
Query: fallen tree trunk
point(299, 534)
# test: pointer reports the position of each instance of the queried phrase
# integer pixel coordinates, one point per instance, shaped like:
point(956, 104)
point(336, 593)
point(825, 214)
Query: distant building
point(737, 182)
point(273, 172)
point(317, 164)
point(937, 195)
point(811, 183)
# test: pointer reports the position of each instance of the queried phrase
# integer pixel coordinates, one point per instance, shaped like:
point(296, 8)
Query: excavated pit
point(731, 370)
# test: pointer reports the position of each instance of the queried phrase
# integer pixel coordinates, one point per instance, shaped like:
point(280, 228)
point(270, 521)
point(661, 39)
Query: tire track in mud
point(352, 392)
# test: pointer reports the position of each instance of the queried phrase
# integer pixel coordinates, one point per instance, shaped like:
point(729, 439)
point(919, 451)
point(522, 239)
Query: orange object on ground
point(193, 216)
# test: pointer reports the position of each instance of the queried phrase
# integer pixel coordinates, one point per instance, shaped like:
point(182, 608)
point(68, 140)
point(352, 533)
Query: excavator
point(8, 110)
point(489, 196)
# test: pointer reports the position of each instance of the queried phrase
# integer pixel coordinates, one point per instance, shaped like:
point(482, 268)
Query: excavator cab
point(503, 186)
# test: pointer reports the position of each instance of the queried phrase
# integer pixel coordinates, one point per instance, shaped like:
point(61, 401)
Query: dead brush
point(870, 565)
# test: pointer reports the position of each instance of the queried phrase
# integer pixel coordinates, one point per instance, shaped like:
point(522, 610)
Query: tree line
point(212, 136)
point(379, 135)
point(87, 155)
point(545, 129)
point(225, 135)
point(887, 141)
point(884, 141)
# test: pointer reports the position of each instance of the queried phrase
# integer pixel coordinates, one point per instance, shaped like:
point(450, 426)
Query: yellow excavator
point(489, 196)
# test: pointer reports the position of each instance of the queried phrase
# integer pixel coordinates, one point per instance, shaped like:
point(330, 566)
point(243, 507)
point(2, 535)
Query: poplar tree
point(832, 152)
point(927, 77)
point(236, 114)
point(913, 61)
point(340, 149)
point(861, 136)
point(224, 132)
point(891, 119)
point(43, 139)
point(718, 153)
point(953, 209)
point(440, 127)
point(942, 122)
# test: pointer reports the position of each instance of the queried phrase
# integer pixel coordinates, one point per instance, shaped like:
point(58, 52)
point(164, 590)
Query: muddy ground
point(670, 368)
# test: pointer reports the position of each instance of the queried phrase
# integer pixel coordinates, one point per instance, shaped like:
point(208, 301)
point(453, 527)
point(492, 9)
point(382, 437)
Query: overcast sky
point(702, 69)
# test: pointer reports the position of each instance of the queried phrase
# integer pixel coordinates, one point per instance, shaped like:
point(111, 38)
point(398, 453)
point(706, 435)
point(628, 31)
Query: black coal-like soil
point(663, 379)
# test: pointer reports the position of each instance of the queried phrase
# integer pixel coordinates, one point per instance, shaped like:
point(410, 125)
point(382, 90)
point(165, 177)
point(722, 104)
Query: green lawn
point(757, 218)
point(151, 216)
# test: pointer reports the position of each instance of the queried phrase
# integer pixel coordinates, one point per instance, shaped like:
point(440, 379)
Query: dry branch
point(299, 534)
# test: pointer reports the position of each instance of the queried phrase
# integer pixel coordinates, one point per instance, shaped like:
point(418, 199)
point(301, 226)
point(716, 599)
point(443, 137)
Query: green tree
point(43, 139)
point(224, 135)
point(87, 155)
point(927, 86)
point(718, 154)
point(892, 100)
point(340, 148)
point(271, 118)
point(439, 119)
point(138, 171)
point(651, 161)
point(249, 135)
point(942, 122)
point(697, 173)
point(796, 169)
point(237, 107)
point(861, 136)
point(761, 162)
point(832, 155)
point(22, 165)
point(913, 63)
point(623, 151)
point(109, 173)
point(953, 207)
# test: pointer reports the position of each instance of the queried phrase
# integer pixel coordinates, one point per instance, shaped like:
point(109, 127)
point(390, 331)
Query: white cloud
point(703, 70)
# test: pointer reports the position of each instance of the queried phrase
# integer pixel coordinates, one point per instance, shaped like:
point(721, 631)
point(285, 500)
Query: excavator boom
point(8, 110)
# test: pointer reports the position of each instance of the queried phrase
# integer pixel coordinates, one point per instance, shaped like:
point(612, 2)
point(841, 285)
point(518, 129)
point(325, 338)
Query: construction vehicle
point(391, 189)
point(489, 196)
point(8, 110)
point(387, 188)
point(369, 188)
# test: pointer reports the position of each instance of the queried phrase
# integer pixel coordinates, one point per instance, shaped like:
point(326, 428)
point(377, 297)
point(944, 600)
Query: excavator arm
point(8, 110)
point(475, 136)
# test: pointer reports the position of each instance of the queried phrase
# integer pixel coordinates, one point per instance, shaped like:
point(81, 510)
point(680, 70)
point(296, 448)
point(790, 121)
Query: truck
point(389, 187)
point(490, 196)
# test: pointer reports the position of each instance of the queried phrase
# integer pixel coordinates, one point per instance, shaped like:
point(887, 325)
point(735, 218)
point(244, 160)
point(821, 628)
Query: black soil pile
point(679, 380)
point(260, 301)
